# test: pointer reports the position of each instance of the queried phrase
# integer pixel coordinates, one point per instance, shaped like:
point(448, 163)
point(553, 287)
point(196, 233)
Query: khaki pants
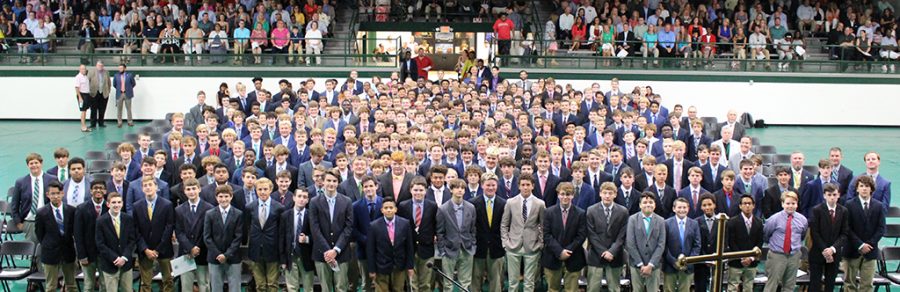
point(123, 281)
point(330, 280)
point(862, 268)
point(146, 269)
point(91, 278)
point(514, 259)
point(297, 275)
point(595, 276)
point(569, 279)
point(781, 270)
point(679, 281)
point(462, 265)
point(424, 276)
point(127, 103)
point(640, 283)
point(265, 275)
point(489, 268)
point(741, 278)
point(52, 272)
point(28, 229)
point(392, 282)
point(353, 275)
point(200, 275)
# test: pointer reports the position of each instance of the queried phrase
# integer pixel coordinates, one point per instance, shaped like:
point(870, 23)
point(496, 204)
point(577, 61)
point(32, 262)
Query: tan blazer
point(519, 233)
point(95, 82)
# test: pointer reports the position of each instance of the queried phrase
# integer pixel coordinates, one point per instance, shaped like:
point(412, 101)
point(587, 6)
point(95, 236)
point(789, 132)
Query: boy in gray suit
point(456, 236)
point(606, 239)
point(522, 233)
point(645, 243)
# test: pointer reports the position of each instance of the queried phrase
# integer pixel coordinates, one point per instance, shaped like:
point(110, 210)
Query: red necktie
point(418, 215)
point(97, 207)
point(175, 155)
point(787, 235)
point(565, 216)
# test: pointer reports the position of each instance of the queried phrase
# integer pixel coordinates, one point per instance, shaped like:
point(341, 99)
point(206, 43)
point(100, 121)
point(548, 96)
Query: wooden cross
point(719, 257)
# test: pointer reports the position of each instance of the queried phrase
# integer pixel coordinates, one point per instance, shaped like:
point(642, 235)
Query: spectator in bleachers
point(314, 43)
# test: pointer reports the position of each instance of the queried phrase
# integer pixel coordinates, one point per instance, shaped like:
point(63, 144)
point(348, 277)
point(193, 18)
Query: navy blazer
point(633, 204)
point(756, 190)
point(272, 175)
point(665, 199)
point(710, 183)
point(55, 247)
point(208, 194)
point(126, 87)
point(386, 257)
point(424, 233)
point(619, 134)
point(263, 248)
point(695, 206)
point(155, 234)
point(298, 156)
point(85, 230)
point(558, 237)
point(691, 150)
point(739, 238)
point(586, 197)
point(470, 194)
point(111, 186)
point(771, 202)
point(189, 229)
point(487, 237)
point(685, 167)
point(223, 238)
point(882, 191)
point(20, 203)
point(136, 193)
point(287, 249)
point(110, 246)
point(429, 195)
point(812, 195)
point(361, 222)
point(674, 247)
point(549, 194)
point(724, 205)
point(845, 175)
point(865, 227)
point(328, 234)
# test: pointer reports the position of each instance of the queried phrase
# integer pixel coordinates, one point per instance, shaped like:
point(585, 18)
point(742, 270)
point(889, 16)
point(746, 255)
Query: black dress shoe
point(103, 126)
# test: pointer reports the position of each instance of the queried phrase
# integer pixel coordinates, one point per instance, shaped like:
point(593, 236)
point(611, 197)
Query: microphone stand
point(431, 265)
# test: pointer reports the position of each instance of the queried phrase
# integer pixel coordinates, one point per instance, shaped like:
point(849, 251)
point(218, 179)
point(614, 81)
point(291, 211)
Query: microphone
point(430, 265)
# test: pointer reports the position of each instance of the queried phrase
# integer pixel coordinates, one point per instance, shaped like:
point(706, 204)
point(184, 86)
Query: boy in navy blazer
point(222, 232)
point(565, 231)
point(189, 218)
point(682, 238)
point(296, 245)
point(262, 217)
point(155, 221)
point(22, 207)
point(423, 226)
point(85, 232)
point(365, 210)
point(489, 253)
point(813, 191)
point(54, 226)
point(866, 227)
point(389, 248)
point(116, 241)
point(828, 230)
point(692, 191)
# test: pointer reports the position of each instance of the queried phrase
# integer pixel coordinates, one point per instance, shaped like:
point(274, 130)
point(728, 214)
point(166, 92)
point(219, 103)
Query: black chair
point(10, 270)
point(710, 120)
point(9, 229)
point(130, 137)
point(890, 253)
point(100, 176)
point(99, 166)
point(95, 155)
point(160, 123)
point(169, 116)
point(112, 145)
point(782, 158)
point(156, 137)
point(768, 171)
point(892, 231)
point(765, 149)
point(755, 141)
point(811, 169)
point(893, 211)
point(156, 145)
point(767, 159)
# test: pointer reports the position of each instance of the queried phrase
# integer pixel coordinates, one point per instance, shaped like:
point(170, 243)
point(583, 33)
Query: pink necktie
point(390, 227)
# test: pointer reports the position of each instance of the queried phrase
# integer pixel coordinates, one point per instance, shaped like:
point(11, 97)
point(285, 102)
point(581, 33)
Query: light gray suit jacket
point(450, 238)
point(516, 232)
point(305, 173)
point(734, 162)
point(643, 249)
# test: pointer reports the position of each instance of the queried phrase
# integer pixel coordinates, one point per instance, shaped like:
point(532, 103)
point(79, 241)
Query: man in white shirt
point(75, 189)
point(806, 17)
point(758, 49)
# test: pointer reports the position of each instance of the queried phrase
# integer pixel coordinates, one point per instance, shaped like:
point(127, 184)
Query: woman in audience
point(595, 30)
point(193, 41)
point(314, 42)
point(218, 44)
point(579, 30)
point(258, 41)
point(739, 47)
point(607, 47)
point(864, 49)
point(281, 41)
point(170, 41)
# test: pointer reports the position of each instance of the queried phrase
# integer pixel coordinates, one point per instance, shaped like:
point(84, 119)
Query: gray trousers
point(127, 103)
point(596, 275)
point(218, 273)
point(91, 276)
point(462, 266)
point(741, 277)
point(782, 270)
point(199, 275)
point(487, 269)
point(296, 276)
point(121, 281)
point(640, 283)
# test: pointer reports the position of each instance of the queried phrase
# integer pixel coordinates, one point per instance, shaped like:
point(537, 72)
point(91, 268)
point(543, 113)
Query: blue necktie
point(59, 222)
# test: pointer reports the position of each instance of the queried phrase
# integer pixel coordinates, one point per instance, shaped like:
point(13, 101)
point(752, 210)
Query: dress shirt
point(775, 229)
point(77, 191)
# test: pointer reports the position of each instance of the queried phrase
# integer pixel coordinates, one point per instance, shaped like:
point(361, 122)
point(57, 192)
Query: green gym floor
point(18, 138)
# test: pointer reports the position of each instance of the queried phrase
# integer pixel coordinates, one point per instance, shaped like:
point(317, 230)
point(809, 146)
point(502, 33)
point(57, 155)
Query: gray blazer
point(450, 238)
point(734, 162)
point(606, 236)
point(643, 249)
point(516, 232)
point(305, 173)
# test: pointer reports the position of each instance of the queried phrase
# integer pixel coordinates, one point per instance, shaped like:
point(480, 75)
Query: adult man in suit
point(866, 227)
point(692, 192)
point(771, 202)
point(295, 248)
point(29, 195)
point(626, 40)
point(606, 224)
point(743, 232)
point(116, 241)
point(85, 233)
point(522, 234)
point(76, 188)
point(195, 113)
point(882, 189)
point(262, 216)
point(222, 232)
point(455, 236)
point(683, 239)
point(305, 170)
point(99, 82)
point(727, 200)
point(799, 176)
point(731, 121)
point(727, 144)
point(155, 220)
point(784, 231)
point(421, 214)
point(840, 173)
point(828, 229)
point(389, 248)
point(54, 226)
point(645, 243)
point(707, 224)
point(136, 191)
point(408, 68)
point(389, 182)
point(564, 234)
point(189, 218)
point(628, 196)
point(365, 210)
point(331, 222)
point(124, 82)
point(489, 252)
point(545, 189)
point(734, 161)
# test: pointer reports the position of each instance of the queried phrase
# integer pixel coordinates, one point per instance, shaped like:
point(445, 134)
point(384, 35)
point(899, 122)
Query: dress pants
point(98, 109)
point(393, 282)
point(741, 278)
point(126, 102)
point(679, 281)
point(639, 283)
point(354, 277)
point(121, 281)
point(514, 260)
point(424, 276)
point(569, 279)
point(297, 276)
point(265, 274)
point(462, 265)
point(330, 280)
point(817, 271)
point(219, 273)
point(199, 275)
point(367, 282)
point(782, 271)
point(28, 229)
point(68, 271)
point(862, 268)
point(702, 274)
point(490, 269)
point(91, 277)
point(596, 275)
point(146, 265)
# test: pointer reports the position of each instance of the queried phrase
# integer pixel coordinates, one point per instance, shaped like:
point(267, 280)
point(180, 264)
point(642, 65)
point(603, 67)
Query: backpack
point(747, 120)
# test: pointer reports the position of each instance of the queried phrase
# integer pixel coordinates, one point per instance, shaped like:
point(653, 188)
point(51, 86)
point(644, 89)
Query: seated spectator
point(193, 41)
point(758, 50)
point(258, 42)
point(889, 49)
point(217, 41)
point(280, 39)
